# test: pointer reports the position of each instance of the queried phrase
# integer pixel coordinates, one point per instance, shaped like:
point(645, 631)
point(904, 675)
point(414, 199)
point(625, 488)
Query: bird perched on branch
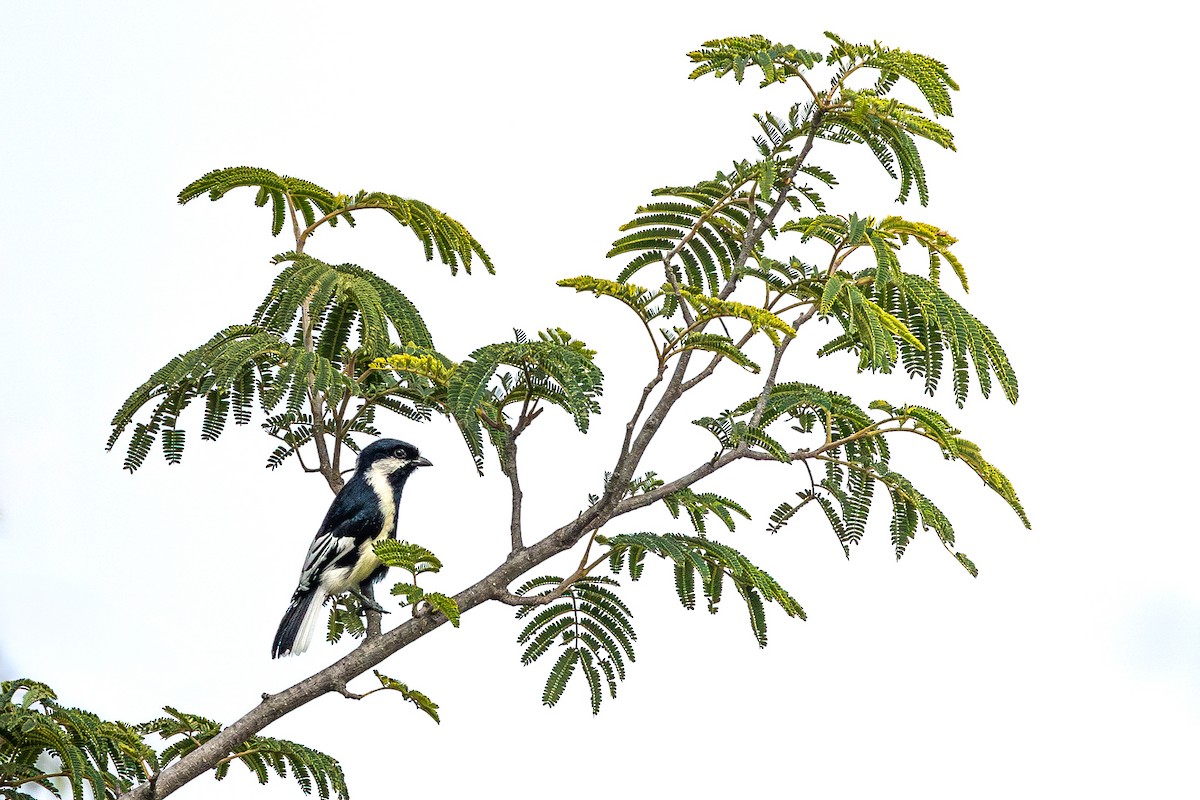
point(341, 557)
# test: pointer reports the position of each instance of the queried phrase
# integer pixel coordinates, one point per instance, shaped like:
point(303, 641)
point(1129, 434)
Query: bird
point(341, 557)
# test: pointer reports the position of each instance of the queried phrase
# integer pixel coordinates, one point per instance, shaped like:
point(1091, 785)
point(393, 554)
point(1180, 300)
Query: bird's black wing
point(353, 518)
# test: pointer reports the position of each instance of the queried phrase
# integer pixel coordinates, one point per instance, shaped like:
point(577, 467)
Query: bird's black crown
point(390, 448)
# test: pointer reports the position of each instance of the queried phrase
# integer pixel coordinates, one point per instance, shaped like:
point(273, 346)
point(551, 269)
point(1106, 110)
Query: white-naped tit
point(341, 557)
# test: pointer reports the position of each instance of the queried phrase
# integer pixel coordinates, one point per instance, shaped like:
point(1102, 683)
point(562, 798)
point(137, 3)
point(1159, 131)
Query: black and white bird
point(340, 558)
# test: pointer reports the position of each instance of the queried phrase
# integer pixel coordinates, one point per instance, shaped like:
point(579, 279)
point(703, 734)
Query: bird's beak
point(422, 462)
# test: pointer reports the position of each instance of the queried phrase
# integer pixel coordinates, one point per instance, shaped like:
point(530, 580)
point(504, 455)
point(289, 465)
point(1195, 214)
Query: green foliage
point(734, 433)
point(709, 308)
point(699, 505)
point(94, 757)
point(283, 192)
point(885, 125)
point(592, 626)
point(313, 342)
point(636, 297)
point(437, 231)
point(716, 343)
point(101, 759)
point(261, 755)
point(888, 315)
point(241, 364)
point(295, 430)
point(337, 298)
point(715, 227)
point(714, 563)
point(446, 605)
point(778, 62)
point(932, 425)
point(867, 115)
point(419, 699)
point(702, 225)
point(406, 556)
point(706, 309)
point(416, 560)
point(330, 344)
point(414, 594)
point(556, 369)
point(853, 448)
point(929, 75)
point(944, 325)
point(346, 615)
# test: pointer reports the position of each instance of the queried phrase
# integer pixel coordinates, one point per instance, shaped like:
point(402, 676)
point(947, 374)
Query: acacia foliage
point(729, 271)
point(721, 261)
point(71, 752)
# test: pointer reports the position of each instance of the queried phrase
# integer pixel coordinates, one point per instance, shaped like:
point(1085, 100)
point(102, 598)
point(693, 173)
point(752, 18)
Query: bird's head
point(390, 458)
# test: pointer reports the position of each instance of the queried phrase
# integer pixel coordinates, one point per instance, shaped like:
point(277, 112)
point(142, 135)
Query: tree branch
point(332, 477)
point(370, 653)
point(518, 497)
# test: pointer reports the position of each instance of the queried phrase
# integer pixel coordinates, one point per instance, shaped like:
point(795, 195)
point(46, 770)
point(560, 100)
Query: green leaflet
point(276, 188)
point(556, 369)
point(260, 754)
point(699, 505)
point(592, 626)
point(268, 362)
point(732, 433)
point(702, 226)
point(855, 456)
point(416, 560)
point(890, 316)
point(444, 604)
point(411, 557)
point(885, 238)
point(419, 699)
point(331, 293)
point(426, 364)
point(866, 116)
point(636, 297)
point(716, 343)
point(944, 325)
point(99, 758)
point(239, 363)
point(346, 615)
point(759, 318)
point(777, 62)
point(295, 430)
point(438, 232)
point(887, 128)
point(970, 454)
point(713, 562)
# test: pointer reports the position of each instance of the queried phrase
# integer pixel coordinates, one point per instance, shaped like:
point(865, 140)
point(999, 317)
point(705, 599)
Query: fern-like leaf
point(438, 232)
point(556, 369)
point(714, 562)
point(419, 699)
point(778, 62)
point(592, 625)
point(260, 754)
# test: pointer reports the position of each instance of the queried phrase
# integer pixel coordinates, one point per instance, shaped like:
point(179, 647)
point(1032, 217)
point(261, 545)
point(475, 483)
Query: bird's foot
point(368, 604)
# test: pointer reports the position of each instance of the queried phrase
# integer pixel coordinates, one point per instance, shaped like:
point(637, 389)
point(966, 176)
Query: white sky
point(1071, 667)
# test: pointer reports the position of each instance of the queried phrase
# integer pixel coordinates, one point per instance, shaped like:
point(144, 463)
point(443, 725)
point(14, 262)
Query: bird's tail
point(298, 623)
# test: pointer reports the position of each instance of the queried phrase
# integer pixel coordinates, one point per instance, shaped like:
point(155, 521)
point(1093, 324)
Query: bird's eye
point(400, 454)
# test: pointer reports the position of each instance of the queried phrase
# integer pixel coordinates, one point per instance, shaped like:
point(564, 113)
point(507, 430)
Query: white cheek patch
point(377, 479)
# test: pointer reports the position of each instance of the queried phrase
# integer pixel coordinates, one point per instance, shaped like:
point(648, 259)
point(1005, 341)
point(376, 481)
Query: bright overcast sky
point(1069, 668)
